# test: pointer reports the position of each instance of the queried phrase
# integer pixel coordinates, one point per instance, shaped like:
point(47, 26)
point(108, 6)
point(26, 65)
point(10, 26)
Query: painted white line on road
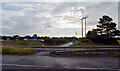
point(25, 65)
point(100, 68)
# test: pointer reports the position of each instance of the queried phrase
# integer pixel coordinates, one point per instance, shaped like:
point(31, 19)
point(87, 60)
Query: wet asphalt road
point(47, 62)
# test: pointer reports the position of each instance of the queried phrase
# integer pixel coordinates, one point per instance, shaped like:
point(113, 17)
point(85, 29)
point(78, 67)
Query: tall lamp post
point(82, 19)
point(82, 26)
point(85, 24)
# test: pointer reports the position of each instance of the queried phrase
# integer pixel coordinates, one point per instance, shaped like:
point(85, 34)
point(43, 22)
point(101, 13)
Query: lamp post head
point(82, 18)
point(86, 17)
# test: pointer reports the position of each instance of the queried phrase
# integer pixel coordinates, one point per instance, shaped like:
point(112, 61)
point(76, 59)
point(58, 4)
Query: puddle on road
point(42, 54)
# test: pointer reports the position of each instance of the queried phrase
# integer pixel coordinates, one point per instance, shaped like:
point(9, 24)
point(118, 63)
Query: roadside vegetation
point(87, 42)
point(30, 41)
point(85, 53)
point(47, 42)
point(21, 43)
point(17, 51)
point(56, 41)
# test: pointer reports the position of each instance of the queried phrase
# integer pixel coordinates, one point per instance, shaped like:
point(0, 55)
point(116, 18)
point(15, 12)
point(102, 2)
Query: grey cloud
point(97, 11)
point(30, 23)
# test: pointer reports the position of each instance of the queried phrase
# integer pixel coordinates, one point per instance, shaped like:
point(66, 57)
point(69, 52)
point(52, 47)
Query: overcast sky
point(53, 18)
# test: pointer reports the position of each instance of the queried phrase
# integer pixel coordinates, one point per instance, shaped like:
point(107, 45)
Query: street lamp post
point(82, 25)
point(85, 24)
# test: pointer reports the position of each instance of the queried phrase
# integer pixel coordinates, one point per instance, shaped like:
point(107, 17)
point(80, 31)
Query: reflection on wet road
point(35, 61)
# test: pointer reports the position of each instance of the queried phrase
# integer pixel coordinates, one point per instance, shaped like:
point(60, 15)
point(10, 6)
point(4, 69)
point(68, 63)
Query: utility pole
point(82, 26)
point(85, 24)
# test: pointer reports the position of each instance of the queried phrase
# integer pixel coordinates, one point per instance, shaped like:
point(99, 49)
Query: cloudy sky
point(53, 18)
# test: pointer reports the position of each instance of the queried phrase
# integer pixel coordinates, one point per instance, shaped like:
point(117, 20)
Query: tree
point(28, 37)
point(107, 27)
point(105, 32)
point(92, 34)
point(15, 37)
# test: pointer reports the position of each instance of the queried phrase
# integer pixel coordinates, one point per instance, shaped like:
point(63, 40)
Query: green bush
point(52, 41)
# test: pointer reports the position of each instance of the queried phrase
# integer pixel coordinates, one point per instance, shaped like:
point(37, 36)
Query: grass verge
point(22, 43)
point(88, 54)
point(17, 51)
point(92, 44)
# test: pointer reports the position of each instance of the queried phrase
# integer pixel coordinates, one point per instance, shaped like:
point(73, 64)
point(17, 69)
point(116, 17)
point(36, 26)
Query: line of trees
point(30, 37)
point(47, 40)
point(52, 41)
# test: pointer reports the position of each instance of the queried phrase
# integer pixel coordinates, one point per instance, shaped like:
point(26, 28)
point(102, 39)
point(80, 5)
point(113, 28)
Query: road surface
point(47, 62)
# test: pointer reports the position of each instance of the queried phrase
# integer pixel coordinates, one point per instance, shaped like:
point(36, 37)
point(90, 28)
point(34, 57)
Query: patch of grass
point(92, 44)
point(22, 43)
point(17, 51)
point(74, 53)
point(27, 43)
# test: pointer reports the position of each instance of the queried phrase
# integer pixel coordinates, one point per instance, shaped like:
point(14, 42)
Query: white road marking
point(99, 68)
point(25, 65)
